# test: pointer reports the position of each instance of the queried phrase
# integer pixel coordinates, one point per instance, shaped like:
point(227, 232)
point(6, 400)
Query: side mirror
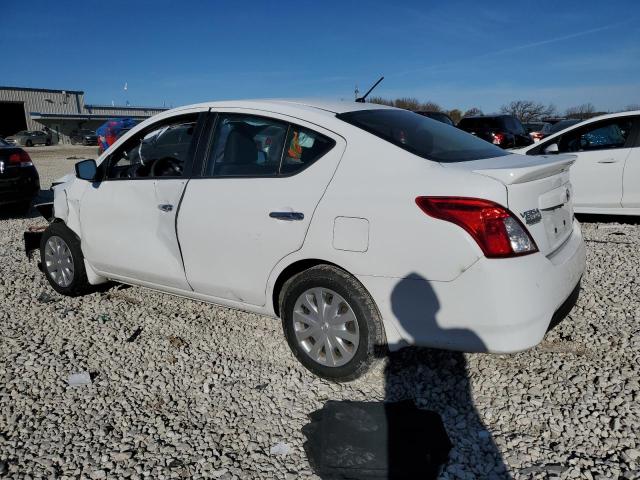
point(86, 170)
point(553, 148)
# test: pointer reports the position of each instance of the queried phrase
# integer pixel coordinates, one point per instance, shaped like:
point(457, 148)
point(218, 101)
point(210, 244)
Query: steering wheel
point(166, 167)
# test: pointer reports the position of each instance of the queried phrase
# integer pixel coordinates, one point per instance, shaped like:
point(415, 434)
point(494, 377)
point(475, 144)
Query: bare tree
point(633, 106)
point(380, 101)
point(430, 106)
point(581, 112)
point(408, 103)
point(472, 112)
point(528, 110)
point(455, 115)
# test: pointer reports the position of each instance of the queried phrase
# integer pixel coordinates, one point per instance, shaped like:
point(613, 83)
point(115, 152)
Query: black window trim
point(633, 140)
point(188, 162)
point(210, 134)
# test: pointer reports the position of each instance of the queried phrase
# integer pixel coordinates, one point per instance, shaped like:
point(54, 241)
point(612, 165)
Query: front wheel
point(62, 260)
point(331, 323)
point(28, 143)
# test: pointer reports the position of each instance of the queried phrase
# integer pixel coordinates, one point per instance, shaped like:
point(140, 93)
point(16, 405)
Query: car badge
point(531, 217)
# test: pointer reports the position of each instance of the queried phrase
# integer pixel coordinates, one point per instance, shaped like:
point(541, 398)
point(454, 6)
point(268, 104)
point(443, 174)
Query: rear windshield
point(422, 136)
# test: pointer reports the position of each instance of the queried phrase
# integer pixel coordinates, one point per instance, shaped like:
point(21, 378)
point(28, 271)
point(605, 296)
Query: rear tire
point(47, 142)
point(62, 260)
point(351, 323)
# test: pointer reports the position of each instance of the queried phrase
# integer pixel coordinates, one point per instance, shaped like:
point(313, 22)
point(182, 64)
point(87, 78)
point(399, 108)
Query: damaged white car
point(358, 225)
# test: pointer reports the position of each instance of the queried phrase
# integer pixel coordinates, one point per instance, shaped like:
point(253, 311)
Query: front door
point(128, 219)
point(262, 181)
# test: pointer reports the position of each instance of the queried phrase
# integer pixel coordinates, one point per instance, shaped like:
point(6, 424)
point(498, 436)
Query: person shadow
point(427, 427)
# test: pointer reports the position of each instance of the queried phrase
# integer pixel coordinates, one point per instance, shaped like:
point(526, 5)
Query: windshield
point(422, 136)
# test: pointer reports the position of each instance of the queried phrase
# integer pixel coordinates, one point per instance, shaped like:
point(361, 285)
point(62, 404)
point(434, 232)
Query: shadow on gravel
point(592, 218)
point(11, 211)
point(428, 410)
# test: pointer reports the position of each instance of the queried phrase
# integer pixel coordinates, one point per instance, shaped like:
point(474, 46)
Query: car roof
point(284, 104)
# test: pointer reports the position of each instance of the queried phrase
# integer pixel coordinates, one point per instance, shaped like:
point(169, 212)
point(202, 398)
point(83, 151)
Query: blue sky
point(456, 53)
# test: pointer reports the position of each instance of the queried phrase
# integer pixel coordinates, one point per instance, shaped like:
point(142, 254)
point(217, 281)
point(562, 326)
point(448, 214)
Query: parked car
point(439, 116)
point(606, 174)
point(19, 181)
point(359, 225)
point(29, 138)
point(83, 136)
point(505, 131)
point(538, 130)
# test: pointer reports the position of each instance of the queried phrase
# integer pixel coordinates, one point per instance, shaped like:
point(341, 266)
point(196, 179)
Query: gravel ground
point(206, 392)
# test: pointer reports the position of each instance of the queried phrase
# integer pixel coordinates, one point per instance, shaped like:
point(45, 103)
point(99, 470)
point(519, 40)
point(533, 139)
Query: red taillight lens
point(20, 158)
point(494, 228)
point(498, 138)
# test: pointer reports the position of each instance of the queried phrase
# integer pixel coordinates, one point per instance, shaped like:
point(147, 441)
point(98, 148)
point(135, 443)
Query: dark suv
point(439, 116)
point(506, 131)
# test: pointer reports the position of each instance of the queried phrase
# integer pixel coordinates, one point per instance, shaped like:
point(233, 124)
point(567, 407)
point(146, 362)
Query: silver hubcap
point(59, 261)
point(326, 327)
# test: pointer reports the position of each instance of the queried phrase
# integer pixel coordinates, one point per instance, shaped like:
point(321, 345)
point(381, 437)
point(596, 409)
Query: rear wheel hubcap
point(59, 261)
point(326, 327)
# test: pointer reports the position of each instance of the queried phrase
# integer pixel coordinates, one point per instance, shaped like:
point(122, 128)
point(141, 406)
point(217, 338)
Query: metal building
point(58, 111)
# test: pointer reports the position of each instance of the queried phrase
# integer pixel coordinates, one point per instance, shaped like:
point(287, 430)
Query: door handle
point(165, 207)
point(290, 216)
point(608, 160)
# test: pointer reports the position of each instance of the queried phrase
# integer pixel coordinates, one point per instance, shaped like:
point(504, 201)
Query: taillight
point(20, 159)
point(494, 228)
point(498, 138)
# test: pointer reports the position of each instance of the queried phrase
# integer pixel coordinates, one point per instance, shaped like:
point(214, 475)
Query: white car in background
point(606, 174)
point(360, 226)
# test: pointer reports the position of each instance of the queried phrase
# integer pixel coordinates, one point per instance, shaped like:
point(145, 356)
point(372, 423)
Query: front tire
point(62, 260)
point(28, 143)
point(331, 323)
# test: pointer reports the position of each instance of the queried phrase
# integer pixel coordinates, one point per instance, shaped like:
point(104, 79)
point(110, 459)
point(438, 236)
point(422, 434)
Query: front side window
point(159, 151)
point(422, 136)
point(600, 136)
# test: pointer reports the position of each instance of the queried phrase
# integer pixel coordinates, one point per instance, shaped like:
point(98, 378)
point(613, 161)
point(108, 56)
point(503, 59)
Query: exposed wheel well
point(289, 272)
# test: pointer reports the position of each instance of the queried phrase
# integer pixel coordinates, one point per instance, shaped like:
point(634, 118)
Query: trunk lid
point(538, 193)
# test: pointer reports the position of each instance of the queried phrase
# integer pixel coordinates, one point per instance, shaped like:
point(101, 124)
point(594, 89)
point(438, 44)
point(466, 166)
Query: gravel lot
point(206, 392)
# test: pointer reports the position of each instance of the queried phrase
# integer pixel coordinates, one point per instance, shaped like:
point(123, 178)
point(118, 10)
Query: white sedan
point(606, 174)
point(362, 227)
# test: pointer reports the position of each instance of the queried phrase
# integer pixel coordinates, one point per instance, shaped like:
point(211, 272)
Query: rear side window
point(245, 145)
point(422, 136)
point(303, 147)
point(250, 146)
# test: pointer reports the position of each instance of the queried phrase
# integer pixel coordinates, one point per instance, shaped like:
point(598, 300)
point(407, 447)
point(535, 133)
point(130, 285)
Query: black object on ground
point(374, 440)
point(135, 335)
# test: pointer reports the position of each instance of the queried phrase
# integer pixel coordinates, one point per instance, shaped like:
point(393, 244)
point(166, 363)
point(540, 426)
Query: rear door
point(631, 175)
point(261, 181)
point(128, 220)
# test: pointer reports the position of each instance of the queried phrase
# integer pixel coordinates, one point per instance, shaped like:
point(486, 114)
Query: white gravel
point(208, 392)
